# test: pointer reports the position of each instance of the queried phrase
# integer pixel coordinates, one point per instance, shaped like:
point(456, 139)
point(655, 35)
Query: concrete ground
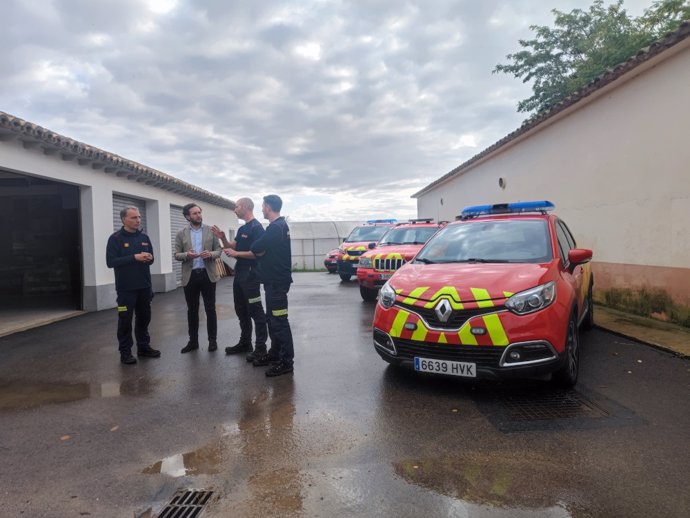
point(345, 435)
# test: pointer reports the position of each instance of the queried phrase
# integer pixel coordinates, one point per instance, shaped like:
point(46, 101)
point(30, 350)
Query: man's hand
point(230, 252)
point(205, 254)
point(143, 257)
point(191, 254)
point(220, 234)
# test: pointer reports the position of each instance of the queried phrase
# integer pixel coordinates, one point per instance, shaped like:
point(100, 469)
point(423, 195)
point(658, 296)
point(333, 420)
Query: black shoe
point(256, 353)
point(189, 347)
point(212, 346)
point(278, 369)
point(238, 348)
point(148, 352)
point(128, 359)
point(265, 359)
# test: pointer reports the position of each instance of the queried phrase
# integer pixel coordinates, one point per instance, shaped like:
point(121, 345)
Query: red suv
point(500, 293)
point(357, 243)
point(397, 247)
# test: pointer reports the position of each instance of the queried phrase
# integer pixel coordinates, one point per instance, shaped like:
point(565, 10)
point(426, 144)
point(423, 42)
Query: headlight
point(532, 300)
point(365, 262)
point(387, 296)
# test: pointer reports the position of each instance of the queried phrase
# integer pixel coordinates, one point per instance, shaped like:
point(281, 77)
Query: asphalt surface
point(345, 435)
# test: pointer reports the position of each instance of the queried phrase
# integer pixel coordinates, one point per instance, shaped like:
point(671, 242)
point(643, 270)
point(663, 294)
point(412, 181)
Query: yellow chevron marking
point(398, 323)
point(451, 294)
point(466, 336)
point(482, 297)
point(508, 294)
point(419, 333)
point(442, 338)
point(495, 328)
point(414, 295)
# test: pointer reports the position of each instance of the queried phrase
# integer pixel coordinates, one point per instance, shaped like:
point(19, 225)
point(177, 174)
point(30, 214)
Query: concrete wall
point(96, 193)
point(311, 241)
point(615, 165)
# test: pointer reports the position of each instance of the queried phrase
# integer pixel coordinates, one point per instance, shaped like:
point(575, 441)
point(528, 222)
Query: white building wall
point(96, 192)
point(616, 168)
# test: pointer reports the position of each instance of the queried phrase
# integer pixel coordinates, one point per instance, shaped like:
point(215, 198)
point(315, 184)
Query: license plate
point(385, 276)
point(464, 369)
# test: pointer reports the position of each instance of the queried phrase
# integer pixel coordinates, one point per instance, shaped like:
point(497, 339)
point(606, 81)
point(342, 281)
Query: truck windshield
point(408, 236)
point(370, 234)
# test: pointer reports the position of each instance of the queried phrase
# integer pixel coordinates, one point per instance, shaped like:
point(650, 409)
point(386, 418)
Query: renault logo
point(443, 310)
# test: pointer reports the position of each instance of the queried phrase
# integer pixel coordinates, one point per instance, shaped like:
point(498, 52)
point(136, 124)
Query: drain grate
point(515, 409)
point(186, 504)
point(555, 405)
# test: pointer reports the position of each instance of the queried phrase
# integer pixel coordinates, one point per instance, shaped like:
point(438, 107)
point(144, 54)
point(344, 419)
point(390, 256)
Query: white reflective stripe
point(254, 300)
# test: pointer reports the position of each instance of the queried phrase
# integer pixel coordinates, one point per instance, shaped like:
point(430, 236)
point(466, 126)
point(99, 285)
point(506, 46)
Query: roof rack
point(506, 208)
point(421, 220)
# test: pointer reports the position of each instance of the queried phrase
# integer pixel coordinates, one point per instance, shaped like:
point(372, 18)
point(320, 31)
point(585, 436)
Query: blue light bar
point(372, 221)
point(507, 208)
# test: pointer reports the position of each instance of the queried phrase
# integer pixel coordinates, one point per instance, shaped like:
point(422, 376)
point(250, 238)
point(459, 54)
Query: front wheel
point(566, 376)
point(368, 295)
point(344, 277)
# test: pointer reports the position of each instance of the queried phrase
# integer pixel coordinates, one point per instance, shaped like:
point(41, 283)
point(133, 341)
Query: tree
point(583, 45)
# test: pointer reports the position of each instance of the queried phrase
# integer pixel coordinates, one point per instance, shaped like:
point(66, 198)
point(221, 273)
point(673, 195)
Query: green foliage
point(583, 45)
point(647, 302)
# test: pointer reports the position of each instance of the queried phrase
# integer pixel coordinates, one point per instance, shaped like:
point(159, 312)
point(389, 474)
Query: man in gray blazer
point(198, 248)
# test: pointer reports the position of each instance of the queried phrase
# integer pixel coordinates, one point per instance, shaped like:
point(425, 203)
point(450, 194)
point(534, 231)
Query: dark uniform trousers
point(200, 284)
point(133, 305)
point(278, 324)
point(246, 292)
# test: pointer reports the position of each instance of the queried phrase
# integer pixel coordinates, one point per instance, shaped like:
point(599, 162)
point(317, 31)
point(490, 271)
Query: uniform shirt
point(276, 264)
point(246, 237)
point(130, 274)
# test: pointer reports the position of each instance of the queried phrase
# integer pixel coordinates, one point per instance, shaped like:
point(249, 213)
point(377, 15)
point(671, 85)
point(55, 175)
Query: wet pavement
point(344, 435)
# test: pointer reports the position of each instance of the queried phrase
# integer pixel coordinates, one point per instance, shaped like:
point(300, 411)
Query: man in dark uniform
point(246, 289)
point(275, 272)
point(130, 253)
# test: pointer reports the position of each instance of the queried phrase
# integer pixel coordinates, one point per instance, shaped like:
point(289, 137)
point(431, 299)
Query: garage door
point(177, 221)
point(120, 202)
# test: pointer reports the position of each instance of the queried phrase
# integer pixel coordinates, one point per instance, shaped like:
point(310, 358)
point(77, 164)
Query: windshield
point(507, 241)
point(408, 236)
point(371, 234)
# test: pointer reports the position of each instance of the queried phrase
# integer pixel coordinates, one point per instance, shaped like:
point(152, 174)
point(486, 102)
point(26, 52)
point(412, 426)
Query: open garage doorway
point(40, 253)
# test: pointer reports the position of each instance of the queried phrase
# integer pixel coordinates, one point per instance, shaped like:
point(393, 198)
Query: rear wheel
point(368, 295)
point(344, 277)
point(566, 376)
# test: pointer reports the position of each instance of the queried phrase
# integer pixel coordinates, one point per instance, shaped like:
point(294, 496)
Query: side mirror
point(372, 246)
point(578, 256)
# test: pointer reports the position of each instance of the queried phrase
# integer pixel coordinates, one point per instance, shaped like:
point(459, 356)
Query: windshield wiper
point(425, 260)
point(481, 260)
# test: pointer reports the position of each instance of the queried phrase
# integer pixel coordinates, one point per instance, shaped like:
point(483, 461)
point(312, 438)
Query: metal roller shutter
point(120, 202)
point(177, 221)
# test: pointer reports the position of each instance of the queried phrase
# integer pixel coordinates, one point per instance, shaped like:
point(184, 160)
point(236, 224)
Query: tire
point(368, 295)
point(344, 277)
point(566, 376)
point(588, 322)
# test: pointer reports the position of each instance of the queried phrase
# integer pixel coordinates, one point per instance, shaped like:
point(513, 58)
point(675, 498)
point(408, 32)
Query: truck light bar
point(507, 208)
point(372, 221)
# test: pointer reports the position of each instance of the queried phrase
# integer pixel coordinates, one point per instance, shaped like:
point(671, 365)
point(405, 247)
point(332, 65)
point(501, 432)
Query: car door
point(566, 242)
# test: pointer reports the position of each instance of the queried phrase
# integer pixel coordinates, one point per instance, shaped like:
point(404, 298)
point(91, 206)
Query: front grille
point(457, 318)
point(388, 264)
point(354, 253)
point(483, 356)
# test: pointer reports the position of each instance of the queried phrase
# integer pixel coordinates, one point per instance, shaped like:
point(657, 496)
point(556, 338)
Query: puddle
point(20, 394)
point(501, 479)
point(204, 461)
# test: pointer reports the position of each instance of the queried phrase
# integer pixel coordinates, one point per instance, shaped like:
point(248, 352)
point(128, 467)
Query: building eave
point(64, 148)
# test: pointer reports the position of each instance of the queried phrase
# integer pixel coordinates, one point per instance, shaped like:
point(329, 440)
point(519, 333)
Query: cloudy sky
point(344, 108)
